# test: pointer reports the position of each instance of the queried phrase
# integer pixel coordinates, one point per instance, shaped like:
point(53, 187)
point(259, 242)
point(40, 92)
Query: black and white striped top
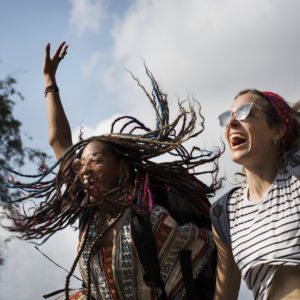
point(265, 234)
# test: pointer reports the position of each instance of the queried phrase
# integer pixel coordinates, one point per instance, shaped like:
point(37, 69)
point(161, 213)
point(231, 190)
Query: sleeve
point(170, 239)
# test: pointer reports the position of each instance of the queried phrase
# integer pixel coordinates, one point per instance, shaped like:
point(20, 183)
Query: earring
point(274, 142)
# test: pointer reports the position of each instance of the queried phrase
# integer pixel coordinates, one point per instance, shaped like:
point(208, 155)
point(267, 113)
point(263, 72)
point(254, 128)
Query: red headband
point(284, 113)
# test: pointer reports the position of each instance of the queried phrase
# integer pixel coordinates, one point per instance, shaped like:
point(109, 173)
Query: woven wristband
point(51, 89)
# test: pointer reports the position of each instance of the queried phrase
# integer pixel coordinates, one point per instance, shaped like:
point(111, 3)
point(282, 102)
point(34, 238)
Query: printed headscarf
point(285, 115)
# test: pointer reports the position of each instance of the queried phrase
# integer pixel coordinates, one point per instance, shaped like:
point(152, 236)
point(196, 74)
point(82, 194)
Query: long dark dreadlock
point(64, 200)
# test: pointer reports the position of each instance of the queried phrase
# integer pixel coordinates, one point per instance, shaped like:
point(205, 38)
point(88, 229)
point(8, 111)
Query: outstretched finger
point(58, 50)
point(47, 51)
point(64, 51)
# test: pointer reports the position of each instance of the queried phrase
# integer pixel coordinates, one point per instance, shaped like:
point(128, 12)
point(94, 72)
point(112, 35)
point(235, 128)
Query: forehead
point(94, 148)
point(244, 99)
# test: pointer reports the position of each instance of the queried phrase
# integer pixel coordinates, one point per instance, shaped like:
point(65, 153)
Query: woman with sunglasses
point(261, 129)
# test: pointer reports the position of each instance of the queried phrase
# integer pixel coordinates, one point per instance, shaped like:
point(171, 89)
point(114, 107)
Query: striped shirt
point(265, 234)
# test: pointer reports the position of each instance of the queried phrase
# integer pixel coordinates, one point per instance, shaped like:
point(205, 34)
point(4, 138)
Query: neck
point(260, 179)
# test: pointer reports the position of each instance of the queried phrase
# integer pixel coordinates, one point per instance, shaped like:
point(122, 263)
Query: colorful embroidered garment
point(74, 295)
point(118, 274)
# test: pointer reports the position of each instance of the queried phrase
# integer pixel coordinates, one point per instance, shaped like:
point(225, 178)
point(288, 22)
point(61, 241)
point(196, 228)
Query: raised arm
point(59, 131)
point(228, 275)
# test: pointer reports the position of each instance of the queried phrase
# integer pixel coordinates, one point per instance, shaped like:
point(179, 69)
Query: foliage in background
point(13, 154)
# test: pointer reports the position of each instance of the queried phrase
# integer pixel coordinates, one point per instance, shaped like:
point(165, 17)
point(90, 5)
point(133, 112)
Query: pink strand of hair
point(143, 206)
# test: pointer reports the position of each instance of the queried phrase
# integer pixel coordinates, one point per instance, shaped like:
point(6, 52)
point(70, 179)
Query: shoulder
point(286, 187)
point(160, 215)
point(161, 219)
point(234, 193)
point(293, 162)
point(228, 198)
point(293, 157)
point(158, 212)
point(287, 178)
point(220, 212)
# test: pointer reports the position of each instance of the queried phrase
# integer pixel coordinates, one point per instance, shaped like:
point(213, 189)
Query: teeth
point(237, 139)
point(237, 135)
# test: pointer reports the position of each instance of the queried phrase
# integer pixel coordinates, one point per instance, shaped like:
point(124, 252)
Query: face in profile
point(99, 169)
point(251, 139)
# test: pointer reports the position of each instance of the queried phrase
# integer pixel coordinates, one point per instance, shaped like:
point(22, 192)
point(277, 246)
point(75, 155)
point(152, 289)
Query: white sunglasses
point(241, 113)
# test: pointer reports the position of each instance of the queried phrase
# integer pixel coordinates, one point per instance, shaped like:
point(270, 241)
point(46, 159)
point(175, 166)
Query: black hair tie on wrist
point(51, 89)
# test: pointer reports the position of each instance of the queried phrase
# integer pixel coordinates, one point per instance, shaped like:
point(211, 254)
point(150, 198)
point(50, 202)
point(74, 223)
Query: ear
point(279, 132)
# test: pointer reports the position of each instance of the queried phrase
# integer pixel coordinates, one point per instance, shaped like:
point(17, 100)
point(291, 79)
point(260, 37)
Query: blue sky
point(208, 49)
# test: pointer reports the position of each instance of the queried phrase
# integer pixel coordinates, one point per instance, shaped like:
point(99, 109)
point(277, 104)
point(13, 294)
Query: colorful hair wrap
point(284, 113)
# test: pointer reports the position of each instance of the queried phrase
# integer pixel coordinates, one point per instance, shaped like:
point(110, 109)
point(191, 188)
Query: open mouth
point(91, 186)
point(237, 139)
point(93, 192)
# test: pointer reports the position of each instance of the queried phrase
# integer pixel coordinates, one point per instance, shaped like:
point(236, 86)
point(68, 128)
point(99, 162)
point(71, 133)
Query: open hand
point(51, 64)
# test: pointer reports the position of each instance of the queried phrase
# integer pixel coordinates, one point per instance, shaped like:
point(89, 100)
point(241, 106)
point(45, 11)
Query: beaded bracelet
point(51, 89)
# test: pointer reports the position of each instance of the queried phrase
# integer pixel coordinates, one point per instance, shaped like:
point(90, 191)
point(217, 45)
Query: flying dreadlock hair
point(64, 200)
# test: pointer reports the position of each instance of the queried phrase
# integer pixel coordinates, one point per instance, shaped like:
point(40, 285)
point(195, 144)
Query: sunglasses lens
point(224, 118)
point(243, 111)
point(241, 114)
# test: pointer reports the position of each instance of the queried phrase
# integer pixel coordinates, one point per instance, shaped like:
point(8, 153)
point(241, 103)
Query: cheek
point(98, 170)
point(226, 135)
point(108, 175)
point(259, 134)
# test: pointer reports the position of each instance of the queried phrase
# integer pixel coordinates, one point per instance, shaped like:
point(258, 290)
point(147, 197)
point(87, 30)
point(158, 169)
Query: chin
point(93, 198)
point(238, 157)
point(236, 160)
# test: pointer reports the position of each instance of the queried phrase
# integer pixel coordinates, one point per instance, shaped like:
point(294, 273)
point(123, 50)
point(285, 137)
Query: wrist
point(49, 80)
point(51, 89)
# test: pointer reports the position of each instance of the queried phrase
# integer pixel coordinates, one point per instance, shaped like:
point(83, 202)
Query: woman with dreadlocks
point(119, 194)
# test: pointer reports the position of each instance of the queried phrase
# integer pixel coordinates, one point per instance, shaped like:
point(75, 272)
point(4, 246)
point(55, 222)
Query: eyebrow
point(93, 154)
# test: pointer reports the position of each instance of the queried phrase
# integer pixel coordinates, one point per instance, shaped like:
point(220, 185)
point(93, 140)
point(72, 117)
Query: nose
point(87, 166)
point(86, 174)
point(232, 120)
point(85, 169)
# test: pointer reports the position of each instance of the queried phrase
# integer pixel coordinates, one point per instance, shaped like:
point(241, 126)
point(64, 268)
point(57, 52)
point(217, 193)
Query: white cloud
point(85, 131)
point(212, 48)
point(91, 66)
point(86, 15)
point(209, 49)
point(32, 273)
